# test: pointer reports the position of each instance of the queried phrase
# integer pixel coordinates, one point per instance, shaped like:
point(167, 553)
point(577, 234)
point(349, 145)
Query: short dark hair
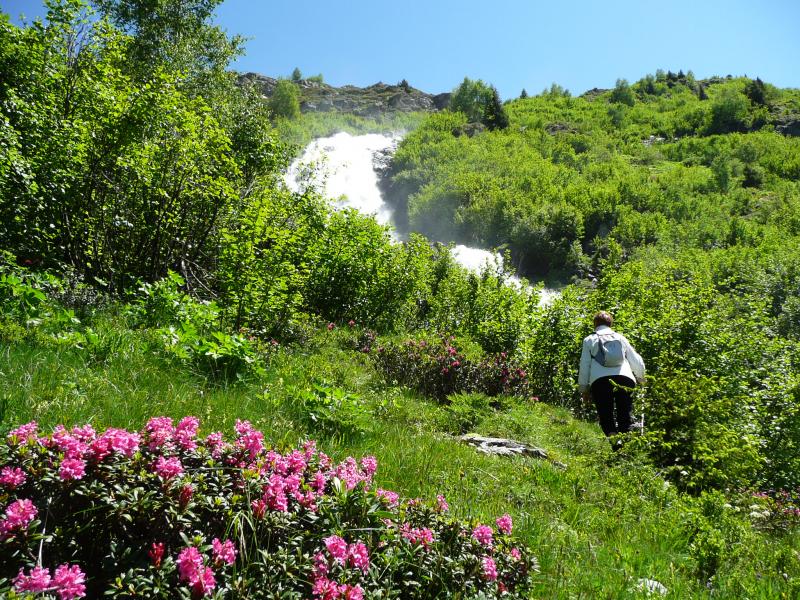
point(603, 318)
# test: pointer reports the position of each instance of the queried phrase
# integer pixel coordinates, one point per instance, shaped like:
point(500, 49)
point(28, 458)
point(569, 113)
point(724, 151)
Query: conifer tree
point(494, 115)
point(523, 94)
point(297, 75)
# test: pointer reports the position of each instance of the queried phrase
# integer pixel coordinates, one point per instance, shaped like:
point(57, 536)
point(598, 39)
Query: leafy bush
point(438, 369)
point(189, 330)
point(163, 513)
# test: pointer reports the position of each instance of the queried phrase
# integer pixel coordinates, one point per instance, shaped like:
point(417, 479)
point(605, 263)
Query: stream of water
point(342, 167)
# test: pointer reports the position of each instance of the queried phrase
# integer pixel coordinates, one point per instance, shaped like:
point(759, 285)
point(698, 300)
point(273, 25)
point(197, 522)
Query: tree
point(284, 101)
point(623, 93)
point(471, 98)
point(729, 112)
point(176, 35)
point(297, 75)
point(523, 94)
point(494, 114)
point(405, 85)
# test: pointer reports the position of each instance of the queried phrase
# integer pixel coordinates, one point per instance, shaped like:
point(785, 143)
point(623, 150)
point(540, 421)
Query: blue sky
point(511, 43)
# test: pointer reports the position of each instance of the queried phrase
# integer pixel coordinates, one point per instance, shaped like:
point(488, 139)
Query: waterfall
point(342, 168)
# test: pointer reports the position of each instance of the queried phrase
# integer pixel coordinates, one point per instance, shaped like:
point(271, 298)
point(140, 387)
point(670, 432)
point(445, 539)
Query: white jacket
point(591, 370)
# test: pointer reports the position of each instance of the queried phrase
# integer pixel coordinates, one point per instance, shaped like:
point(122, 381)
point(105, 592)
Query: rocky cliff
point(371, 101)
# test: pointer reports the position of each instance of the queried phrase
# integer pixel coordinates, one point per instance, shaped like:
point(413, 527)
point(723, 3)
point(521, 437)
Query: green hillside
point(160, 285)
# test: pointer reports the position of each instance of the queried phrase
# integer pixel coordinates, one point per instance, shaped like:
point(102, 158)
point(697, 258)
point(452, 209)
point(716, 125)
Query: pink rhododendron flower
point(69, 582)
point(422, 536)
point(331, 326)
point(252, 441)
point(350, 473)
point(296, 462)
point(370, 465)
point(121, 441)
point(505, 524)
point(392, 498)
point(224, 552)
point(19, 515)
point(441, 504)
point(325, 589)
point(319, 482)
point(72, 468)
point(159, 433)
point(71, 446)
point(186, 431)
point(216, 443)
point(190, 563)
point(483, 533)
point(167, 468)
point(337, 548)
point(351, 592)
point(358, 556)
point(309, 449)
point(37, 582)
point(205, 583)
point(24, 433)
point(489, 568)
point(515, 554)
point(85, 433)
point(12, 478)
point(320, 568)
point(275, 493)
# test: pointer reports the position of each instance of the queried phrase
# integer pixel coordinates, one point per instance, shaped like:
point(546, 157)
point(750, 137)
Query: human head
point(603, 318)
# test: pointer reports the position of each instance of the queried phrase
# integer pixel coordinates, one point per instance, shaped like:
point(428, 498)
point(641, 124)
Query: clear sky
point(579, 44)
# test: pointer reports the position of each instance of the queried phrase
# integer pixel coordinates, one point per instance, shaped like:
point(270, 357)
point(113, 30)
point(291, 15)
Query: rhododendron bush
point(165, 513)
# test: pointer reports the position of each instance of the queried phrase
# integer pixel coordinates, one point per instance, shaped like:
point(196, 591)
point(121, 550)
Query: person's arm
point(585, 366)
point(634, 360)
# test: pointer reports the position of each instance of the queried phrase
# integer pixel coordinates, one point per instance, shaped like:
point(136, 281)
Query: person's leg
point(604, 403)
point(622, 395)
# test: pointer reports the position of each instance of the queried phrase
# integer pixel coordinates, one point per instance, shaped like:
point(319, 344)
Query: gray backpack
point(610, 351)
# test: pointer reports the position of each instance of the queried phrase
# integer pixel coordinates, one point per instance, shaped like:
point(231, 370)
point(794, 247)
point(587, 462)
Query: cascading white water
point(342, 167)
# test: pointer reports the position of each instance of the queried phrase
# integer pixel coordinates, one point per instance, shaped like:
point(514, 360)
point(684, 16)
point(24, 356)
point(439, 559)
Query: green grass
point(596, 526)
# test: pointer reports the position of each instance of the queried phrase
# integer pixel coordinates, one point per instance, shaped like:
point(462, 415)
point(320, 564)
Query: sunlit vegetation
point(154, 264)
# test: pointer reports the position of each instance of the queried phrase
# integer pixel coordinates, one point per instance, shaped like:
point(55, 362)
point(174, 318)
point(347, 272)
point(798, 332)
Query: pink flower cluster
point(489, 568)
point(483, 533)
point(505, 524)
point(167, 468)
point(12, 478)
point(18, 516)
point(67, 582)
point(191, 570)
point(415, 535)
point(392, 498)
point(224, 552)
point(326, 589)
point(354, 555)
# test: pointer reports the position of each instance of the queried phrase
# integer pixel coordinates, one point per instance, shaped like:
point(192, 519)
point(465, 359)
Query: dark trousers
point(614, 403)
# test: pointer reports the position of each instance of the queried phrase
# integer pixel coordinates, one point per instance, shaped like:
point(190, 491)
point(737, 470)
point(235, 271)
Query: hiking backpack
point(610, 351)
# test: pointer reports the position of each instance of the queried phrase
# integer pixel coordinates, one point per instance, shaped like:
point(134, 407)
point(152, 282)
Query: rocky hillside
point(372, 101)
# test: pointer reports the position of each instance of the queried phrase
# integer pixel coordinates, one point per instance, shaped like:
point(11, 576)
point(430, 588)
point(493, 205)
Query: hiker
point(610, 369)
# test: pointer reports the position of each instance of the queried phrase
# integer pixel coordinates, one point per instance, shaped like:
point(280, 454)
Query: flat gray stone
point(505, 447)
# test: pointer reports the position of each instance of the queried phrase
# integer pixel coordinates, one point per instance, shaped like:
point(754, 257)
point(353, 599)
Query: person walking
point(609, 370)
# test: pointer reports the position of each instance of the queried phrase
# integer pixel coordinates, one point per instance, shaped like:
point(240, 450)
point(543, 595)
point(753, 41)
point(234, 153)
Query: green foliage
point(494, 115)
point(329, 410)
point(297, 75)
point(622, 93)
point(471, 97)
point(285, 101)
